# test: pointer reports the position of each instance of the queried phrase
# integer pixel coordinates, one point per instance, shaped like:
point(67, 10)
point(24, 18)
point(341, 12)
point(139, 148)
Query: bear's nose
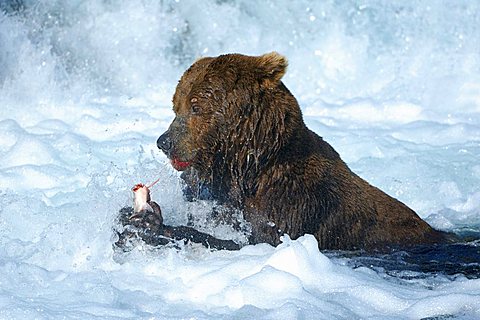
point(164, 143)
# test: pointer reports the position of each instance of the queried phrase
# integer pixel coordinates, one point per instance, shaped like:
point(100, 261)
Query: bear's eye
point(195, 106)
point(196, 109)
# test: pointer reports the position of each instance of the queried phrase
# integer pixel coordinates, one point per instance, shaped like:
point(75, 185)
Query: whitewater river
point(85, 91)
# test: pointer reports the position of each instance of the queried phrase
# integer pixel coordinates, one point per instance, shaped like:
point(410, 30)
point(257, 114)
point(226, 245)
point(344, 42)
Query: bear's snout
point(164, 143)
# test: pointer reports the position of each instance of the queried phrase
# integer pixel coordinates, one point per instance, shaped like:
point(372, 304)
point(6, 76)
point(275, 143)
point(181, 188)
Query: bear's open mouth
point(179, 165)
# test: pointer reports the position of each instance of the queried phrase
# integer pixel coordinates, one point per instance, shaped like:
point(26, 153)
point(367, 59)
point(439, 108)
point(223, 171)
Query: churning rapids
point(85, 90)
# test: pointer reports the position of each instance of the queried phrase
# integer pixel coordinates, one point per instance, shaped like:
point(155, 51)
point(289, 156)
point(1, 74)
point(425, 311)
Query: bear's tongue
point(179, 165)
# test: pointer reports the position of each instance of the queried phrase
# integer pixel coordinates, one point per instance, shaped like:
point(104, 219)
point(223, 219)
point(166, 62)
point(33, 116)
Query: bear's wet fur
point(239, 132)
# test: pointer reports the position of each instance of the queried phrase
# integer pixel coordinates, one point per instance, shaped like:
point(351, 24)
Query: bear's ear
point(272, 67)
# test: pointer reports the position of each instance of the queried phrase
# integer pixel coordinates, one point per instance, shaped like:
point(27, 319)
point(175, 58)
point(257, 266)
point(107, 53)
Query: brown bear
point(238, 132)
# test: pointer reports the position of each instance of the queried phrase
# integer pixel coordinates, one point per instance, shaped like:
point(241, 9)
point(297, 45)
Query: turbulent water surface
point(85, 90)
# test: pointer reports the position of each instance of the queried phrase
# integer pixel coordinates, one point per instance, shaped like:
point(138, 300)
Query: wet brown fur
point(243, 132)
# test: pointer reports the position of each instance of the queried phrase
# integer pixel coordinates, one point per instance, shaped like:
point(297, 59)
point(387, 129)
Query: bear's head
point(232, 113)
